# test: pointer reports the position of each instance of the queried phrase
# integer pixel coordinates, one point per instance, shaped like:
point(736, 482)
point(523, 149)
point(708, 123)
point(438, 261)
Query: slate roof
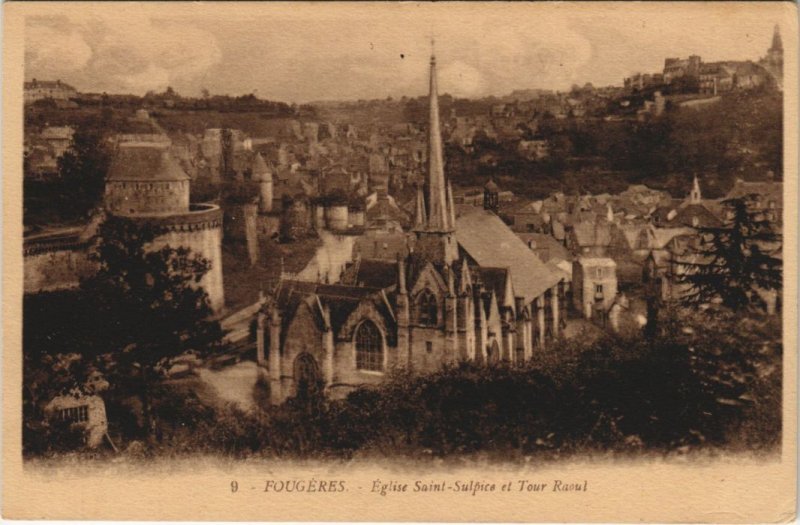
point(386, 246)
point(386, 209)
point(543, 242)
point(491, 243)
point(372, 273)
point(592, 233)
point(145, 161)
point(494, 280)
point(341, 299)
point(770, 190)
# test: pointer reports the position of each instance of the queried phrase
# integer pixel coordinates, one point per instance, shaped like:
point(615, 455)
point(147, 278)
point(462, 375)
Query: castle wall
point(206, 242)
point(201, 231)
point(46, 271)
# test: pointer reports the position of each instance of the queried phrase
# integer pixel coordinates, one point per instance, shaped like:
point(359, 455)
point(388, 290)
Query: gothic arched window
point(427, 309)
point(369, 347)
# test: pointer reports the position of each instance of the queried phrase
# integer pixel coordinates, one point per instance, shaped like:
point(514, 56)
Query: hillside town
point(345, 240)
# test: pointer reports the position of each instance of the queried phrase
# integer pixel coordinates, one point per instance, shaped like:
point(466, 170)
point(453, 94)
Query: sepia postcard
point(372, 261)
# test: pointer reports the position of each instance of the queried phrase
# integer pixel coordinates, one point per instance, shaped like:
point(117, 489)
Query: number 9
point(234, 486)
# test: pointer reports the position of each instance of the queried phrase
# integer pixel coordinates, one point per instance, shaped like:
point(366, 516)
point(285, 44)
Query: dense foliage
point(142, 308)
point(734, 261)
point(739, 134)
point(703, 383)
point(80, 183)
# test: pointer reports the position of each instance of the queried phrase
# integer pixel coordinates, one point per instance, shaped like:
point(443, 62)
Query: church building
point(469, 289)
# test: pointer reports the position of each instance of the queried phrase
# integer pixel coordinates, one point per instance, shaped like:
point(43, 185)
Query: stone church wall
point(301, 337)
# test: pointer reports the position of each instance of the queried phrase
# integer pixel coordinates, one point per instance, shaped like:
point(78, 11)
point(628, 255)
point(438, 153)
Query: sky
point(301, 53)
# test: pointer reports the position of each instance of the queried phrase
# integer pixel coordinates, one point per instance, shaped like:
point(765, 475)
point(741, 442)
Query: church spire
point(421, 218)
point(695, 196)
point(438, 213)
point(777, 43)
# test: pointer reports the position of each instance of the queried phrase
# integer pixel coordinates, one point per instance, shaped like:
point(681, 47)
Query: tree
point(82, 170)
point(733, 261)
point(148, 302)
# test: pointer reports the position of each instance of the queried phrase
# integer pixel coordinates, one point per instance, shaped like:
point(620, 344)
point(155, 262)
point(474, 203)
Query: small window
point(74, 414)
point(598, 288)
point(429, 346)
point(599, 273)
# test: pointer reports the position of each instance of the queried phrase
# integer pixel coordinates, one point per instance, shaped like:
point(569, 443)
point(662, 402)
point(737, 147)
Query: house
point(83, 412)
point(48, 89)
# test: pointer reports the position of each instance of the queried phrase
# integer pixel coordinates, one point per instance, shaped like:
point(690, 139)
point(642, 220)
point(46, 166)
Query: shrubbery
point(718, 388)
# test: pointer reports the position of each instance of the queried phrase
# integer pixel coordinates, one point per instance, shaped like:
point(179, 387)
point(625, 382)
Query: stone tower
point(435, 228)
point(145, 184)
point(491, 196)
point(263, 176)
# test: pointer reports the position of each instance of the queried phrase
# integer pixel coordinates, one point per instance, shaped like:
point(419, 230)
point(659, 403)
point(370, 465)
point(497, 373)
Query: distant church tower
point(435, 216)
point(773, 62)
point(695, 197)
point(775, 52)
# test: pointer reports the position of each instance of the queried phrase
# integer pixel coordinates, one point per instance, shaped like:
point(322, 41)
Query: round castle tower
point(147, 185)
point(263, 176)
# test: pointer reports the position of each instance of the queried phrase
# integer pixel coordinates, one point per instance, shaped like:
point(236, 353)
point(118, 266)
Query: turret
point(491, 196)
point(263, 176)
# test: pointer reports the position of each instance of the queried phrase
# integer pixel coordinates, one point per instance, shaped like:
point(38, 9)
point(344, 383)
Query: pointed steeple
point(465, 282)
point(421, 219)
point(438, 214)
point(436, 239)
point(695, 196)
point(777, 43)
point(451, 206)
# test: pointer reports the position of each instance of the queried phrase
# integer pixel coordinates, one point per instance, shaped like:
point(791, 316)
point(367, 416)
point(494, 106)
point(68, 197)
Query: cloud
point(131, 54)
point(50, 51)
point(150, 54)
